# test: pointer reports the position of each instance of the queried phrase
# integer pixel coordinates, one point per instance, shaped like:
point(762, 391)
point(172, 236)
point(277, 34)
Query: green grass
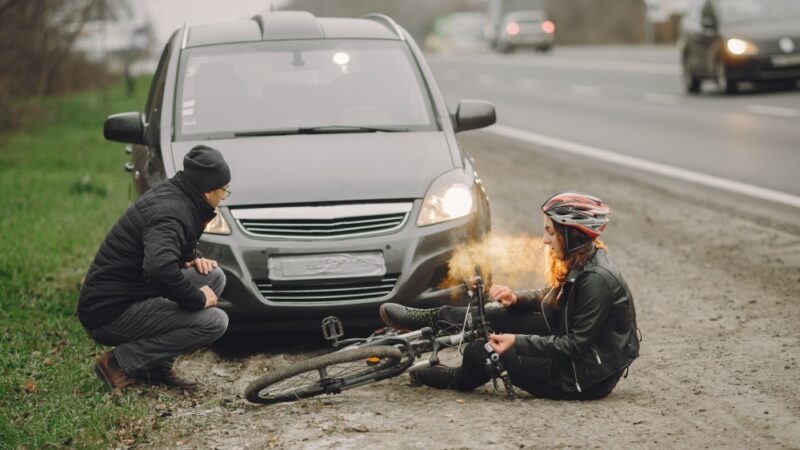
point(61, 188)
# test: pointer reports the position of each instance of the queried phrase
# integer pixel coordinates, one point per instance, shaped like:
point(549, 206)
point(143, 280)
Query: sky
point(169, 15)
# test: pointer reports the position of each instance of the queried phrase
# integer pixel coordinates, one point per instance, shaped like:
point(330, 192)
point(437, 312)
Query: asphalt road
point(629, 101)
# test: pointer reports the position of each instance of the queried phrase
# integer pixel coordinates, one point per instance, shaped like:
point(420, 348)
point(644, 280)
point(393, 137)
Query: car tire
point(725, 85)
point(691, 83)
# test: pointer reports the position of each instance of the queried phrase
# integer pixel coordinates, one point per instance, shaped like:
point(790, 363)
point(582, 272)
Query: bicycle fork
point(497, 370)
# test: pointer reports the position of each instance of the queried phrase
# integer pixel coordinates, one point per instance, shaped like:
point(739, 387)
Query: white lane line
point(528, 83)
point(589, 91)
point(663, 99)
point(773, 111)
point(570, 63)
point(646, 166)
point(484, 78)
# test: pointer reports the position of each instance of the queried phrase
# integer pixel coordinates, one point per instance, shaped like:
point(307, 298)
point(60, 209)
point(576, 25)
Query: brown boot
point(108, 370)
point(170, 379)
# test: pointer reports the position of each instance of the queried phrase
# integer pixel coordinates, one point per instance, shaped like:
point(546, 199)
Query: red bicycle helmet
point(584, 212)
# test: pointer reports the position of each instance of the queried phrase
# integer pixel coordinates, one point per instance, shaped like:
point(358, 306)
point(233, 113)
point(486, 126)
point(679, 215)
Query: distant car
point(349, 186)
point(526, 29)
point(731, 41)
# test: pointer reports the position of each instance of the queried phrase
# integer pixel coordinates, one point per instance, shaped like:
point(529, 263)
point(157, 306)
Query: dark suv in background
point(731, 41)
point(349, 188)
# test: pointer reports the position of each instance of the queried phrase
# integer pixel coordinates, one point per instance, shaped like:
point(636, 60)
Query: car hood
point(329, 167)
point(763, 30)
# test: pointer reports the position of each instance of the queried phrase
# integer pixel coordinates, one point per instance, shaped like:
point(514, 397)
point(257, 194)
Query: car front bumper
point(774, 67)
point(416, 256)
point(528, 39)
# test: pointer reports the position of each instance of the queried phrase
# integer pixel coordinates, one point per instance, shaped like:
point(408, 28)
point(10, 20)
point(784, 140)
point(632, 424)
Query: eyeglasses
point(227, 192)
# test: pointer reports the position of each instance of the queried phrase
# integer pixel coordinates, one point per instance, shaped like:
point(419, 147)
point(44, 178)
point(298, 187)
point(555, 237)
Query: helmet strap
point(576, 241)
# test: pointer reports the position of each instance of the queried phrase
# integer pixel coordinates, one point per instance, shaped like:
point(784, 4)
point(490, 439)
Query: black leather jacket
point(594, 332)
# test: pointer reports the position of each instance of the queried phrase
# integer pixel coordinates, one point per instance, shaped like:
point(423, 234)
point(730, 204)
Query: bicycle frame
point(414, 343)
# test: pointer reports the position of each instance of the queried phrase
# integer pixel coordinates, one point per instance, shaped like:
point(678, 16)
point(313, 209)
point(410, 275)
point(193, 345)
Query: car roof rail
point(185, 36)
point(288, 25)
point(388, 21)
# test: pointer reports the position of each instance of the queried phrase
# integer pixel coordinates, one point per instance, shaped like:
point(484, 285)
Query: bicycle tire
point(308, 380)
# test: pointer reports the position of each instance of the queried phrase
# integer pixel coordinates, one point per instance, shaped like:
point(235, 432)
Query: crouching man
point(148, 292)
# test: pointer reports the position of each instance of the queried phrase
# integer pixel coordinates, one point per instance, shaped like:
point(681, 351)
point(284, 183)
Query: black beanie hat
point(206, 169)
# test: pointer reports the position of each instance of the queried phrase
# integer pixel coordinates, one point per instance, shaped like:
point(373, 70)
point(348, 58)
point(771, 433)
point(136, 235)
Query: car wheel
point(691, 83)
point(506, 49)
point(544, 48)
point(721, 76)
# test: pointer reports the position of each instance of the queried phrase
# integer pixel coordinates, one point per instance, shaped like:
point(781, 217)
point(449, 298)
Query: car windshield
point(745, 10)
point(303, 86)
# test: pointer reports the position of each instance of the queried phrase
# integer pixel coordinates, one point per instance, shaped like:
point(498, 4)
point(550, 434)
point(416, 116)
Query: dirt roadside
point(716, 296)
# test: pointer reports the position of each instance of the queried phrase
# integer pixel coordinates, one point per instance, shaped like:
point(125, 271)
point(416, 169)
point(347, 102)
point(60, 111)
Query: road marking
point(484, 78)
point(664, 99)
point(528, 83)
point(646, 166)
point(774, 111)
point(589, 91)
point(570, 63)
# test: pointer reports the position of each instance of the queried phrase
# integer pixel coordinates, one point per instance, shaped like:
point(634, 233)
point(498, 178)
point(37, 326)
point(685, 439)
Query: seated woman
point(572, 339)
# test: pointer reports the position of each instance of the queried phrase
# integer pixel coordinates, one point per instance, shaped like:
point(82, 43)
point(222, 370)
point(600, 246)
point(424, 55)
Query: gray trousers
point(150, 334)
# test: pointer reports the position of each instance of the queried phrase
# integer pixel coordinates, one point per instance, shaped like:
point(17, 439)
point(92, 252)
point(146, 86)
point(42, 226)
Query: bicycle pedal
point(332, 329)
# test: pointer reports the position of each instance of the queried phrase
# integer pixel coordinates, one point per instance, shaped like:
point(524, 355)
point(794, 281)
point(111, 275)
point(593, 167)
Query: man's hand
point(202, 265)
point(211, 297)
point(502, 294)
point(502, 342)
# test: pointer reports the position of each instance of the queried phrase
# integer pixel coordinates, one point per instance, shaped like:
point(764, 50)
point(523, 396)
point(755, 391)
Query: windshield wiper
point(320, 130)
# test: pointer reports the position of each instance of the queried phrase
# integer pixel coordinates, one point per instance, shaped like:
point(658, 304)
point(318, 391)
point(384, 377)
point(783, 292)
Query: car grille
point(322, 222)
point(771, 46)
point(327, 291)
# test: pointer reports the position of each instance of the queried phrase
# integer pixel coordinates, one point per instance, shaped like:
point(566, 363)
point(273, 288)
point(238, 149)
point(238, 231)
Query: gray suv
point(349, 187)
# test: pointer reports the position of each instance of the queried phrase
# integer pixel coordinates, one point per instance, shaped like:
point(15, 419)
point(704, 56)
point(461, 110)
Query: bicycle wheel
point(329, 373)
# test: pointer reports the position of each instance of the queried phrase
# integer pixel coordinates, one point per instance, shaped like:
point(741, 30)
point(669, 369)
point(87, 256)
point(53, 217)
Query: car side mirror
point(472, 114)
point(124, 127)
point(709, 22)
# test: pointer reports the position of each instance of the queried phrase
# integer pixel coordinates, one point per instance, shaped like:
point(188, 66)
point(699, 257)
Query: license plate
point(785, 60)
point(327, 266)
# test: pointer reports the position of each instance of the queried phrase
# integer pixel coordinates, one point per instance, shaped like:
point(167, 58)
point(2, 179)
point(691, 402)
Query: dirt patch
point(716, 296)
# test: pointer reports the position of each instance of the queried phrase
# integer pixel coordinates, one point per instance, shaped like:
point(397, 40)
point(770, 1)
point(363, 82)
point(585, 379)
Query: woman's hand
point(202, 265)
point(502, 342)
point(502, 294)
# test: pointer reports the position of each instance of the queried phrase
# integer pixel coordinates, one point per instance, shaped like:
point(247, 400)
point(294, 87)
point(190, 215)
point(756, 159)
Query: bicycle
point(361, 361)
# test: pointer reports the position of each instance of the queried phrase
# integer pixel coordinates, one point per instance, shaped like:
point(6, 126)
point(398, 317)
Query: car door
point(147, 160)
point(708, 39)
point(695, 38)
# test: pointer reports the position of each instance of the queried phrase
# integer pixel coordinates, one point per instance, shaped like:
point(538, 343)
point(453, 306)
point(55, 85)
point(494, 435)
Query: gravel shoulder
point(716, 290)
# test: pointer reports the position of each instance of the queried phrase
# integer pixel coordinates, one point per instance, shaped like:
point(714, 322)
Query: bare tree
point(36, 39)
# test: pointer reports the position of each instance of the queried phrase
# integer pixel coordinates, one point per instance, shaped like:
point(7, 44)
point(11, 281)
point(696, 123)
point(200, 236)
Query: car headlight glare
point(218, 225)
point(449, 197)
point(741, 47)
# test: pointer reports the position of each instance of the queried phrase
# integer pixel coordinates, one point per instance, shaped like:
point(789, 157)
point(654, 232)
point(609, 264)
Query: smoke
point(514, 261)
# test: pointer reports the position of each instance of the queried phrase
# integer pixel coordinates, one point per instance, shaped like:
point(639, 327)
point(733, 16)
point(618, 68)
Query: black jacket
point(594, 332)
point(142, 255)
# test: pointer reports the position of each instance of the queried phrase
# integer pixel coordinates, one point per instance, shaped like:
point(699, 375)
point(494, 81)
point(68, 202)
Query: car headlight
point(218, 225)
point(451, 196)
point(741, 47)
